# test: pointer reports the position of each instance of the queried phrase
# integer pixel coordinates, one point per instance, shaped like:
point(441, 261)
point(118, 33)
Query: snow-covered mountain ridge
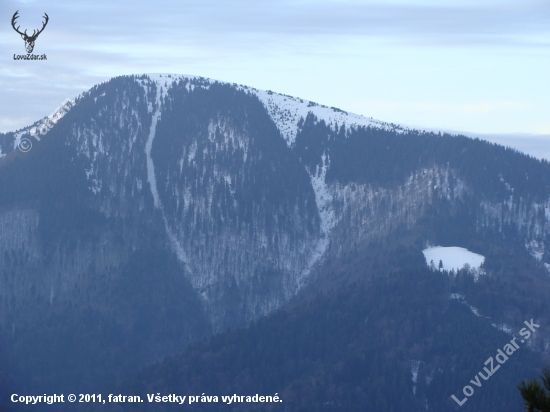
point(247, 202)
point(286, 111)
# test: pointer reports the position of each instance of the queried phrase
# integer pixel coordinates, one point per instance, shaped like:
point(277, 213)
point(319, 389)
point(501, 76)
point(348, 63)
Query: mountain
point(158, 210)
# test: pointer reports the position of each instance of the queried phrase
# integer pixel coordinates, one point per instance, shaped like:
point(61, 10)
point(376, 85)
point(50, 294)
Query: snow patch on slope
point(323, 200)
point(148, 146)
point(286, 112)
point(151, 178)
point(462, 299)
point(453, 258)
point(536, 249)
point(415, 366)
point(167, 80)
point(503, 327)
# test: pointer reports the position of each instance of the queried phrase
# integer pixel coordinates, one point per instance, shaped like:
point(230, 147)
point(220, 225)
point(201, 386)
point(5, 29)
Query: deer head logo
point(29, 40)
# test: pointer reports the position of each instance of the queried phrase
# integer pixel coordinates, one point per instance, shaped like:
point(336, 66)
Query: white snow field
point(453, 257)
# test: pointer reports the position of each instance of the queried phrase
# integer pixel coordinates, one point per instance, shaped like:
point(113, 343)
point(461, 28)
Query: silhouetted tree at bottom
point(535, 397)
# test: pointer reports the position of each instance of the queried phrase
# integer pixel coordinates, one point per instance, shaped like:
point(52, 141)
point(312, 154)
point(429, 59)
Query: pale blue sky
point(475, 66)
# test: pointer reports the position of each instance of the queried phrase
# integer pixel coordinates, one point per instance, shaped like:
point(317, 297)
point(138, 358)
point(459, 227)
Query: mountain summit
point(161, 209)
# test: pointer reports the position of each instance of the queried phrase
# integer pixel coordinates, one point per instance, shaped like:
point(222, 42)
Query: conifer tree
point(535, 397)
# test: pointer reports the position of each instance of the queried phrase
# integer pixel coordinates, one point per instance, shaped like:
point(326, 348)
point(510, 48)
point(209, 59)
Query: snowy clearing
point(453, 258)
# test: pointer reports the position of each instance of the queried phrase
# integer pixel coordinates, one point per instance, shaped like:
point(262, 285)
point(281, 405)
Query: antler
point(13, 21)
point(34, 34)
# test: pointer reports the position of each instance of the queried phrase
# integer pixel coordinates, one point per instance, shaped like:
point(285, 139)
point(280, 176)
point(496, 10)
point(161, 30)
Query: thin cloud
point(90, 41)
point(450, 23)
